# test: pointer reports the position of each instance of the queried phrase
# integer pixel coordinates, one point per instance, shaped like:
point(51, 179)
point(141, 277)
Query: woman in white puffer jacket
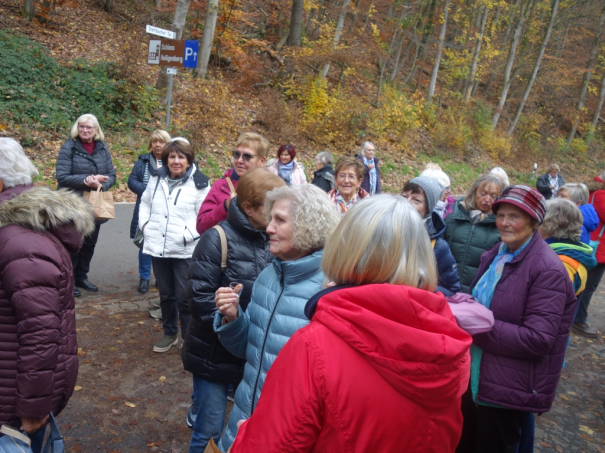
point(167, 217)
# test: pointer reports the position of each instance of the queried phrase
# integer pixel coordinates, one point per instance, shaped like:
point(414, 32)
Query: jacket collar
point(296, 271)
point(435, 226)
point(460, 213)
point(322, 170)
point(240, 223)
point(200, 179)
point(7, 194)
point(311, 305)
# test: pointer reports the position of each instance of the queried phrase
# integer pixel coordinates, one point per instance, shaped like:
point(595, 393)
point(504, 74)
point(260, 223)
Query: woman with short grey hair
point(300, 219)
point(381, 334)
point(577, 193)
point(84, 164)
point(500, 173)
point(371, 177)
point(323, 177)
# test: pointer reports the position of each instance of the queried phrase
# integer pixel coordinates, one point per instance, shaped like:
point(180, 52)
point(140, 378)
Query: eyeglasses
point(247, 157)
point(86, 128)
point(345, 176)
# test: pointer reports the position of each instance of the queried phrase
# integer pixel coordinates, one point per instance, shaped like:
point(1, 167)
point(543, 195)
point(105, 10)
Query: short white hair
point(84, 119)
point(313, 213)
point(15, 167)
point(563, 219)
point(578, 192)
point(382, 239)
point(364, 146)
point(439, 175)
point(500, 173)
point(324, 158)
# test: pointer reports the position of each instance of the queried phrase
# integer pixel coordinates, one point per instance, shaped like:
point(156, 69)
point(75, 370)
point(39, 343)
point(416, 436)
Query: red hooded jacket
point(596, 197)
point(213, 209)
point(379, 368)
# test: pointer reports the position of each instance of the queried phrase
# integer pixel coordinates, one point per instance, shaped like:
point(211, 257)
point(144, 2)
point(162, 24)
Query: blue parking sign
point(191, 51)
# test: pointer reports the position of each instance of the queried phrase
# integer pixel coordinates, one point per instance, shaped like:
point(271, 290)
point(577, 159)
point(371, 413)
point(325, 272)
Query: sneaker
point(584, 329)
point(156, 314)
point(155, 303)
point(192, 414)
point(166, 343)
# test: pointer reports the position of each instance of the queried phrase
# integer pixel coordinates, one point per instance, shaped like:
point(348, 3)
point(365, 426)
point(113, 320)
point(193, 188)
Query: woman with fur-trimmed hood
point(39, 228)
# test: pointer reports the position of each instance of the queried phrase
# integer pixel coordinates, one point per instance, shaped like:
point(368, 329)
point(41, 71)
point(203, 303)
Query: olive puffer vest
point(469, 241)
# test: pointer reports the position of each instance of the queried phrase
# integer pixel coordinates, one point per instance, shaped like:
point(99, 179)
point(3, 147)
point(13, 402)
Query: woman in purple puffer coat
point(515, 368)
point(38, 350)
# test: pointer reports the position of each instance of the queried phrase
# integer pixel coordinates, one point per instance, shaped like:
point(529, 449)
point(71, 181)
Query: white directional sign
point(171, 71)
point(161, 32)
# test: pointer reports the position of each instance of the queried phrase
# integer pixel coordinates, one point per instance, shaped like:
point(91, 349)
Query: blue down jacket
point(274, 314)
point(449, 281)
point(591, 222)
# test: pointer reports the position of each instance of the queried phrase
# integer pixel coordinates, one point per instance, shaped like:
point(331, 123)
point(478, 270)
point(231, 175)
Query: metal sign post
point(171, 52)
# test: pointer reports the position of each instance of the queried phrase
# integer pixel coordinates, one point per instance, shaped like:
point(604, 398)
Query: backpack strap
point(433, 241)
point(231, 187)
point(223, 237)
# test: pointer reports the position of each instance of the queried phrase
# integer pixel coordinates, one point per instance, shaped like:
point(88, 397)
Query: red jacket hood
point(408, 335)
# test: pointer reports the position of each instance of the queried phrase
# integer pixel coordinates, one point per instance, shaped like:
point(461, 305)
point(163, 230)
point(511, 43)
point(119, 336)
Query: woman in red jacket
point(382, 365)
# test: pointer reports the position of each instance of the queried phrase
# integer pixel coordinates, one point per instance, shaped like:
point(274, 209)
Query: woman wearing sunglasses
point(250, 153)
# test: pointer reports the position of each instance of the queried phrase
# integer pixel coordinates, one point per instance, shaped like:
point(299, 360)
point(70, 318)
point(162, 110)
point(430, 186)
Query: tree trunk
point(207, 38)
point(597, 112)
point(427, 32)
point(433, 82)
point(473, 73)
point(158, 4)
point(537, 64)
point(592, 59)
point(295, 23)
point(398, 58)
point(339, 26)
point(178, 25)
point(109, 5)
point(30, 9)
point(509, 62)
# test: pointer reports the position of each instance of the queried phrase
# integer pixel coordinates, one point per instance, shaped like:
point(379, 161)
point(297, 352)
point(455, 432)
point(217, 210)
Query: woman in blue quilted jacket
point(279, 295)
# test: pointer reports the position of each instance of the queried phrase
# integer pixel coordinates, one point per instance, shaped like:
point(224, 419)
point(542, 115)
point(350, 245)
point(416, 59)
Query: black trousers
point(81, 261)
point(489, 429)
point(171, 275)
point(592, 283)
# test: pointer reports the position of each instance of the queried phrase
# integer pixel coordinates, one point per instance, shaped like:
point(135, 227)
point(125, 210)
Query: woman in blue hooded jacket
point(424, 193)
point(578, 194)
point(279, 295)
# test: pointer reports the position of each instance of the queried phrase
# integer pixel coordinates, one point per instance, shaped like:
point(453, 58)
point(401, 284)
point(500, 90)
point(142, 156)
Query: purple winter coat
point(533, 306)
point(38, 348)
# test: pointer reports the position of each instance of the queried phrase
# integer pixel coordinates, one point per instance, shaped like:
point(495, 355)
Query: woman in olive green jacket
point(471, 227)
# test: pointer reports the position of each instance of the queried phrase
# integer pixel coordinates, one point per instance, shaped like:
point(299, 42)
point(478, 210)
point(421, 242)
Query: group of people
point(323, 308)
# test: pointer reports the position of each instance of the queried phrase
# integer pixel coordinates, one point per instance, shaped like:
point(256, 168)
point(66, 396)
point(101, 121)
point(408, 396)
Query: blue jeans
point(526, 444)
point(211, 400)
point(144, 265)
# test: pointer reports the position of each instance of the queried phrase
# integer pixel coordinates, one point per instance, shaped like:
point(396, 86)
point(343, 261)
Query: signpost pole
point(168, 101)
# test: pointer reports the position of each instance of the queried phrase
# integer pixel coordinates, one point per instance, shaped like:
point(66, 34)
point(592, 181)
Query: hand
point(92, 182)
point(227, 301)
point(31, 425)
point(101, 178)
point(371, 166)
point(552, 186)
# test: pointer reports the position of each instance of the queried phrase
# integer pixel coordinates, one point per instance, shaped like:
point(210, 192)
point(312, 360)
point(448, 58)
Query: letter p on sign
point(191, 51)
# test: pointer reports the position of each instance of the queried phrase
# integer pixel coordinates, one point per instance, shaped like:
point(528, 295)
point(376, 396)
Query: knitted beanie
point(525, 198)
point(432, 191)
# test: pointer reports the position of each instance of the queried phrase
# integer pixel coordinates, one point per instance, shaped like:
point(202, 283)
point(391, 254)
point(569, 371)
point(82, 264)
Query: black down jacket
point(247, 256)
point(74, 164)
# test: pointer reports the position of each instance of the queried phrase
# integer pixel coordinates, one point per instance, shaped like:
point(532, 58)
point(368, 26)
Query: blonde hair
point(470, 200)
point(382, 239)
point(554, 167)
point(83, 119)
point(255, 141)
point(159, 135)
point(313, 214)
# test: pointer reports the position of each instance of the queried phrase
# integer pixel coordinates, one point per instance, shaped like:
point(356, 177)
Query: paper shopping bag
point(102, 204)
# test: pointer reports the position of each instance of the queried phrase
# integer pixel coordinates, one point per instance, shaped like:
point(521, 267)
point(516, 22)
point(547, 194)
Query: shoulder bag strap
point(433, 241)
point(231, 188)
point(223, 237)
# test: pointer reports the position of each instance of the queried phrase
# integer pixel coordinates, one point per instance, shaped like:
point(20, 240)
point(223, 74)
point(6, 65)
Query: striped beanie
point(526, 199)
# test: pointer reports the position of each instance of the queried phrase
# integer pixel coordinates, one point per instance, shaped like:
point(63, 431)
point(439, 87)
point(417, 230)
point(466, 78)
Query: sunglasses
point(247, 157)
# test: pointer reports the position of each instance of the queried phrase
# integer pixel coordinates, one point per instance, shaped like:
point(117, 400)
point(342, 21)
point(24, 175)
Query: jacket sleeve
point(449, 281)
point(65, 178)
point(289, 413)
point(544, 310)
point(234, 335)
point(145, 206)
point(212, 210)
point(591, 219)
point(111, 171)
point(204, 277)
point(135, 181)
point(543, 186)
point(598, 203)
point(34, 297)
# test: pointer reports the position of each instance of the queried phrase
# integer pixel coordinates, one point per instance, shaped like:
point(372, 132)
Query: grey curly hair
point(563, 219)
point(313, 213)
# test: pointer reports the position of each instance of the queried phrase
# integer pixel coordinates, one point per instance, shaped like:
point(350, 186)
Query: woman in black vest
point(84, 164)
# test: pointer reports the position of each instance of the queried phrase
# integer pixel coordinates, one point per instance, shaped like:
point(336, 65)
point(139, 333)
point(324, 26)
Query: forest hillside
point(468, 84)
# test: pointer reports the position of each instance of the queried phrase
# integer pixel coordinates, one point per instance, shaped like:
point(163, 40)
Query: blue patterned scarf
point(285, 171)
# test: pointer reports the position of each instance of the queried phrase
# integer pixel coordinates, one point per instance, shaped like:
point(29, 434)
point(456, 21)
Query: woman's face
point(86, 131)
point(369, 152)
point(515, 225)
point(280, 231)
point(285, 157)
point(318, 165)
point(156, 148)
point(418, 201)
point(446, 193)
point(347, 182)
point(553, 174)
point(177, 164)
point(485, 197)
